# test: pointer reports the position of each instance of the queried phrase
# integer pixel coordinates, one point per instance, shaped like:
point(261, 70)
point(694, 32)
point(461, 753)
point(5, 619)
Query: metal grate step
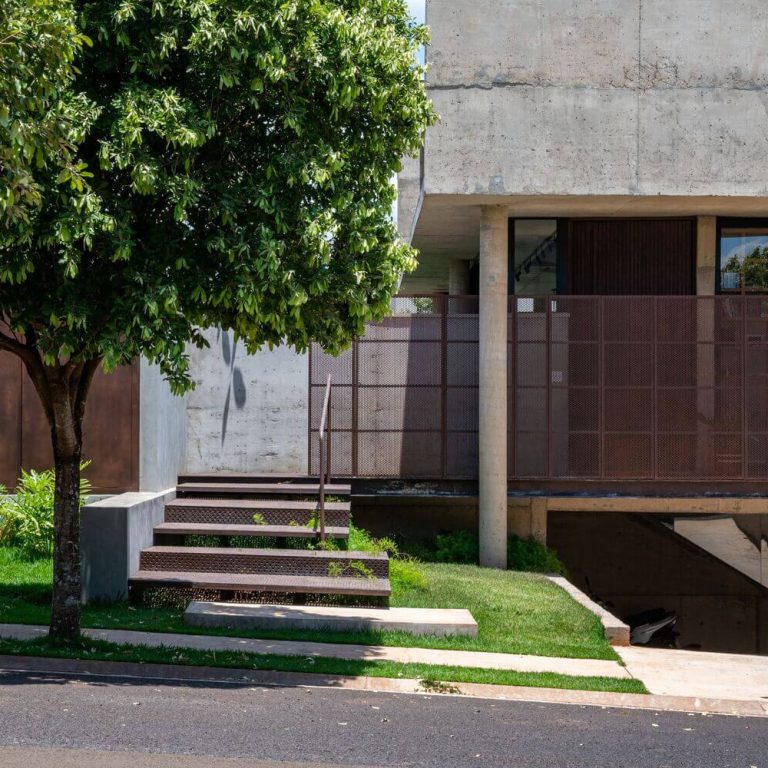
point(295, 562)
point(268, 531)
point(241, 511)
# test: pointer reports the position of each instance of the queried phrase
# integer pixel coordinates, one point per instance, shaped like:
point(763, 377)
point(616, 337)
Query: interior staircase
point(264, 537)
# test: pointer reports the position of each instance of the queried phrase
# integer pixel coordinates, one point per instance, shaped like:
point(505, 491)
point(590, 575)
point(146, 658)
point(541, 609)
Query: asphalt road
point(203, 723)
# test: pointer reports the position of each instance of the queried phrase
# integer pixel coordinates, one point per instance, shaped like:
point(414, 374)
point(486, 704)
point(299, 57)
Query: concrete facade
point(587, 108)
point(595, 97)
point(247, 413)
point(162, 430)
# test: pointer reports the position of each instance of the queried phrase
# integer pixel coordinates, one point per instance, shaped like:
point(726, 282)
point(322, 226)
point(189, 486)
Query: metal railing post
point(325, 456)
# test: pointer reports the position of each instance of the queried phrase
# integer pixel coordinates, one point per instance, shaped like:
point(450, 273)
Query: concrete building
point(582, 354)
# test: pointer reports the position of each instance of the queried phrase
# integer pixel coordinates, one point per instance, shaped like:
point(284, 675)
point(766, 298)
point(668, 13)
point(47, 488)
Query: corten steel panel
point(10, 418)
point(110, 430)
point(650, 257)
point(612, 388)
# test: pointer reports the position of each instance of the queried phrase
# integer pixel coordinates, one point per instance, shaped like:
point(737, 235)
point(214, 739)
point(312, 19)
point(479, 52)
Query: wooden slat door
point(640, 257)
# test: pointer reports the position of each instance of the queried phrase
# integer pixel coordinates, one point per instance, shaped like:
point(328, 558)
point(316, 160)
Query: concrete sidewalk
point(474, 659)
point(696, 673)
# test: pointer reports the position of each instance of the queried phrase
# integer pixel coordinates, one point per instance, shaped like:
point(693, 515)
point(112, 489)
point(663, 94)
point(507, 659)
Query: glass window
point(744, 260)
point(535, 257)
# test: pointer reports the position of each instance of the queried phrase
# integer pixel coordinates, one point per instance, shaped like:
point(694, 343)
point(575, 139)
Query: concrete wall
point(113, 533)
point(163, 431)
point(595, 97)
point(248, 413)
point(635, 563)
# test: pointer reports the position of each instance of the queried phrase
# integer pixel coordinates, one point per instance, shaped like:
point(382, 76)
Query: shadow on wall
point(236, 387)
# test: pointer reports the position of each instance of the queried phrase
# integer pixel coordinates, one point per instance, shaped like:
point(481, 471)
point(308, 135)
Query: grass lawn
point(516, 612)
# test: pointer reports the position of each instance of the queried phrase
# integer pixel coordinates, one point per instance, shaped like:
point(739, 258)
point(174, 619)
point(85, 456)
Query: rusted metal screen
point(110, 430)
point(612, 388)
point(404, 400)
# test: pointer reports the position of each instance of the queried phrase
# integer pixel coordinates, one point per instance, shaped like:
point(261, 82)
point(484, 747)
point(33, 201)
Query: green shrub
point(362, 541)
point(457, 547)
point(26, 519)
point(405, 573)
point(529, 555)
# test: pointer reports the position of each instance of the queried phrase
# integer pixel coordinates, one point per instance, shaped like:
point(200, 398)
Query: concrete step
point(241, 511)
point(284, 490)
point(295, 562)
point(257, 583)
point(416, 621)
point(268, 531)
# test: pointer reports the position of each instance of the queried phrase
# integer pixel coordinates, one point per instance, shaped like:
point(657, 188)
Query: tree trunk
point(66, 434)
point(62, 388)
point(65, 606)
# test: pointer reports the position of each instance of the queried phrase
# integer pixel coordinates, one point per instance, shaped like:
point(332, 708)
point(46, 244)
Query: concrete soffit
point(447, 226)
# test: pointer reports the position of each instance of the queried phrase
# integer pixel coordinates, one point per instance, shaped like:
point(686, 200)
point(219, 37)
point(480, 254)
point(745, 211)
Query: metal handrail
point(325, 455)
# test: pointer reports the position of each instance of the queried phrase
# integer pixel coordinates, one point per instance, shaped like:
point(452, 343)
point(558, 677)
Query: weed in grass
point(438, 686)
point(353, 569)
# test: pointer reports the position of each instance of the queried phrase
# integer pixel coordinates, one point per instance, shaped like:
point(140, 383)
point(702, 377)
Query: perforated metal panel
point(600, 388)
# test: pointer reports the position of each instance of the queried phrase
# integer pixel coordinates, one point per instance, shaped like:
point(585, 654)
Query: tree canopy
point(234, 165)
point(171, 165)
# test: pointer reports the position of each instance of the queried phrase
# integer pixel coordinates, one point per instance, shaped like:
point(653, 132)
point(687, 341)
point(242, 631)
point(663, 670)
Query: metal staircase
point(248, 538)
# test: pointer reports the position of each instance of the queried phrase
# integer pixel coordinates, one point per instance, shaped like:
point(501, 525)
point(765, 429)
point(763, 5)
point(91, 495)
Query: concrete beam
point(493, 387)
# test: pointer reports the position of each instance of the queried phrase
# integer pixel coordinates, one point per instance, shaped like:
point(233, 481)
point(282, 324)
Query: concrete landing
point(415, 621)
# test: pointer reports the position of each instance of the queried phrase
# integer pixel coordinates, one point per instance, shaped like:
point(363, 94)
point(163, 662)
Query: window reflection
point(744, 260)
point(535, 250)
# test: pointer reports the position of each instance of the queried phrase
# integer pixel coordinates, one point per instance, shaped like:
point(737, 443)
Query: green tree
point(752, 270)
point(231, 166)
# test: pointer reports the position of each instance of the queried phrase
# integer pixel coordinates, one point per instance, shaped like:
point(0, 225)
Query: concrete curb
point(616, 631)
point(431, 656)
point(242, 677)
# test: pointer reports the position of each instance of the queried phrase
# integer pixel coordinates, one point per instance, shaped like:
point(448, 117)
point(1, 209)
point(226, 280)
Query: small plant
point(360, 569)
point(355, 569)
point(314, 520)
point(201, 540)
point(26, 519)
point(530, 555)
point(259, 519)
point(457, 547)
point(405, 573)
point(438, 686)
point(329, 545)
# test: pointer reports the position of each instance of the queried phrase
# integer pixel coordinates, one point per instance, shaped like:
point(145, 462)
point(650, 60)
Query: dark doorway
point(632, 257)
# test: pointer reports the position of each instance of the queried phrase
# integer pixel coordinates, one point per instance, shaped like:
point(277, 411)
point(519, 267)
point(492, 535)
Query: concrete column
point(706, 255)
point(458, 277)
point(493, 387)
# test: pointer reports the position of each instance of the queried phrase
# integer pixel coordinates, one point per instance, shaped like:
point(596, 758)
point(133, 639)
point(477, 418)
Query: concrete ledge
point(114, 530)
point(415, 621)
point(616, 631)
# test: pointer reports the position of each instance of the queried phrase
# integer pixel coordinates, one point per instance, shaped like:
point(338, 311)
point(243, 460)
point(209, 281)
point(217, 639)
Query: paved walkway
point(664, 672)
point(503, 661)
point(695, 673)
